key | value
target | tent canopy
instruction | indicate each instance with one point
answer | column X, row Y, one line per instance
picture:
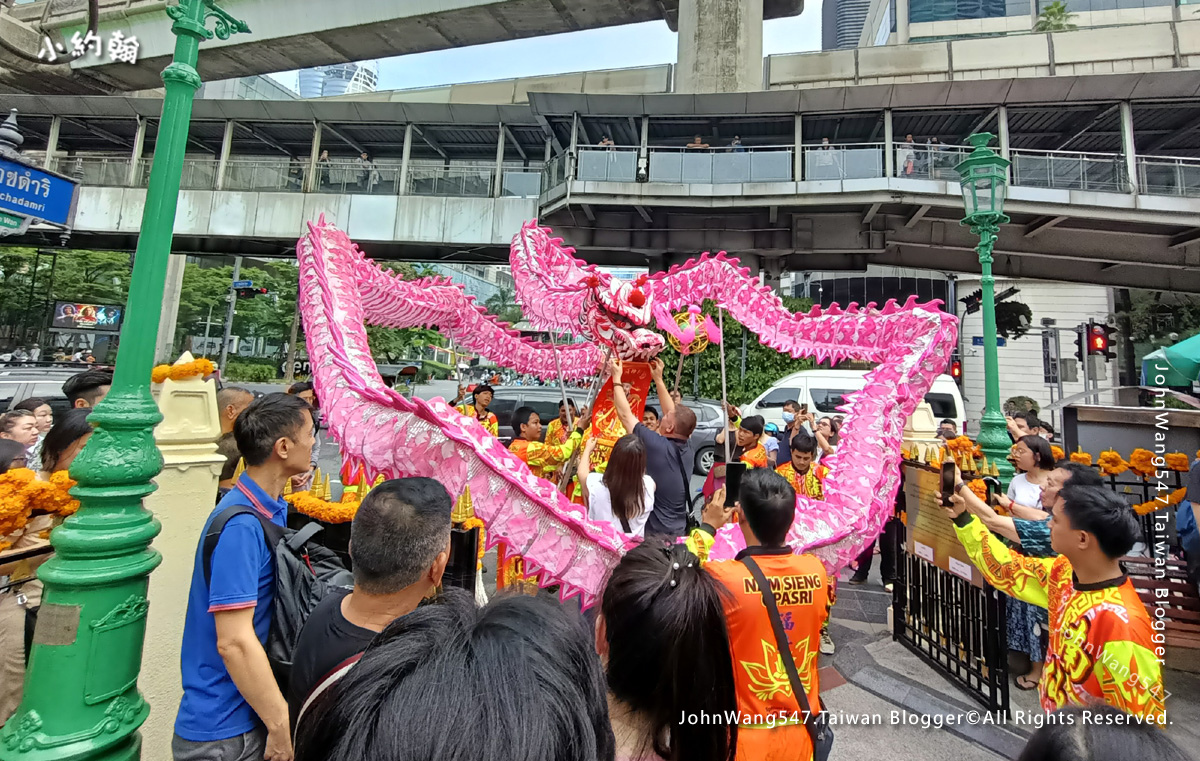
column 1178, row 364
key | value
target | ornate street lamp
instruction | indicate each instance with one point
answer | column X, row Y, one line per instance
column 984, row 177
column 81, row 699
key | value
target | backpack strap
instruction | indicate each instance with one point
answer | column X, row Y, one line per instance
column 302, row 536
column 325, row 683
column 271, row 533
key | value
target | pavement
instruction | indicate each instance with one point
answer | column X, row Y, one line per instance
column 882, row 695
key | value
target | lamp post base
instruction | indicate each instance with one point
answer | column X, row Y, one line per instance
column 995, row 443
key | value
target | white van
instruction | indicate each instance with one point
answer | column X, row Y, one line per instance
column 822, row 391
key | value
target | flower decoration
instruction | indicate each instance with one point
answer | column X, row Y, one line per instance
column 183, row 370
column 1141, row 461
column 1178, row 461
column 22, row 495
column 978, row 488
column 1056, row 452
column 1175, row 498
column 1083, row 458
column 1112, row 464
column 323, row 510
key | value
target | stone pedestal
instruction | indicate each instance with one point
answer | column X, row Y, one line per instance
column 187, row 489
column 921, row 429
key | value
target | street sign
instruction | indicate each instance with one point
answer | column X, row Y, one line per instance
column 11, row 224
column 27, row 191
column 1070, row 370
column 243, row 283
column 978, row 341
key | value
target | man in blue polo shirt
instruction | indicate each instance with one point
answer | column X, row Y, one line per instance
column 232, row 708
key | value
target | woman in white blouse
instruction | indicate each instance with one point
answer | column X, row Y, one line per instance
column 623, row 495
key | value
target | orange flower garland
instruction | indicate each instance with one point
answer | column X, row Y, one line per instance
column 1141, row 461
column 1112, row 464
column 21, row 495
column 321, row 510
column 1083, row 458
column 1178, row 461
column 195, row 368
column 1146, row 508
column 978, row 488
column 1056, row 452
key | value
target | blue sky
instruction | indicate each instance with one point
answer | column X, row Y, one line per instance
column 613, row 48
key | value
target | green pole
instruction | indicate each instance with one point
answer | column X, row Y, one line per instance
column 993, row 429
column 81, row 699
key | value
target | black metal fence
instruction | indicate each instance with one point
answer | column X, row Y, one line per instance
column 958, row 628
column 1135, row 491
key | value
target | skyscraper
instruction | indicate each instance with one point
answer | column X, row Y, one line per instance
column 339, row 79
column 842, row 23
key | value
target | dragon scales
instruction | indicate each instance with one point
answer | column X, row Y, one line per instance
column 342, row 291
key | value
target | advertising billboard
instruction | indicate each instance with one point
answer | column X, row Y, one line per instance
column 70, row 315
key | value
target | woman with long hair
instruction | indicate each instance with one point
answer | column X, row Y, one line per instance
column 623, row 495
column 515, row 680
column 65, row 441
column 661, row 634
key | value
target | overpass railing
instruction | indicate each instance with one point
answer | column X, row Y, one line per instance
column 853, row 161
column 725, row 165
column 1169, row 176
column 1061, row 170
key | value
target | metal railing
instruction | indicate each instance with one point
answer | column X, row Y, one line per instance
column 929, row 161
column 716, row 166
column 613, row 163
column 554, row 172
column 105, row 171
column 1061, row 170
column 520, row 183
column 1169, row 176
column 457, row 181
column 855, row 161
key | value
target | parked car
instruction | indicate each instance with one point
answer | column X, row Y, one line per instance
column 824, row 391
column 20, row 383
column 704, row 438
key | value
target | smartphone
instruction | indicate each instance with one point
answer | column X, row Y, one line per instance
column 733, row 482
column 947, row 483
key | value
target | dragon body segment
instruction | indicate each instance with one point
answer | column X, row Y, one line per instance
column 341, row 291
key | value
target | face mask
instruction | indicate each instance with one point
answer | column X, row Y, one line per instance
column 789, row 417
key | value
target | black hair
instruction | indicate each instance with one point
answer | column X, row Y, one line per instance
column 1103, row 514
column 300, row 387
column 1047, row 427
column 68, row 428
column 86, row 386
column 1081, row 475
column 521, row 417
column 29, row 405
column 791, row 403
column 400, row 528
column 754, row 424
column 652, row 410
column 803, row 441
column 1098, row 733
column 482, row 387
column 769, row 504
column 523, row 666
column 1043, row 455
column 560, row 404
column 227, row 447
column 10, row 450
column 267, row 420
column 668, row 650
column 948, row 421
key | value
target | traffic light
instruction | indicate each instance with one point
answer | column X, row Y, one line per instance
column 1110, row 351
column 249, row 293
column 1080, row 342
column 1097, row 337
column 956, row 371
column 973, row 301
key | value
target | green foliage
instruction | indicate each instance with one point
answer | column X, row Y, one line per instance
column 267, row 316
column 1055, row 18
column 764, row 365
column 504, row 306
column 1009, row 323
column 241, row 371
column 393, row 345
column 1021, row 404
column 28, row 287
column 1153, row 315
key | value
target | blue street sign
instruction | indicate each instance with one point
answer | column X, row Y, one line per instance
column 243, row 283
column 36, row 193
column 978, row 341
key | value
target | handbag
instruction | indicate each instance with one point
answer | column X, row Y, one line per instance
column 817, row 724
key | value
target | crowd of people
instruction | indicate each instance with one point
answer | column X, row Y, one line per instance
column 396, row 665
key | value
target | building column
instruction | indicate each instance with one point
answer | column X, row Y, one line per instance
column 798, row 159
column 226, row 149
column 901, row 22
column 135, row 156
column 720, row 46
column 402, row 184
column 1128, row 146
column 52, row 142
column 313, row 181
column 549, row 151
column 498, row 180
column 889, row 152
column 1005, row 152
column 172, row 290
column 573, row 151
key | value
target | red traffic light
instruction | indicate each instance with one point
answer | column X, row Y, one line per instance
column 956, row 370
column 1098, row 340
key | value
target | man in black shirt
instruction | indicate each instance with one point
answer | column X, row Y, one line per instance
column 399, row 546
column 668, row 455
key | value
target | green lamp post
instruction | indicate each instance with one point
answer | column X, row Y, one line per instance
column 984, row 177
column 81, row 699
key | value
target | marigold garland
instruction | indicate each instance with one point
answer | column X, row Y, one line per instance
column 1056, row 452
column 1083, row 458
column 1112, row 464
column 321, row 510
column 978, row 488
column 1178, row 461
column 1175, row 498
column 183, row 370
column 21, row 495
column 1141, row 461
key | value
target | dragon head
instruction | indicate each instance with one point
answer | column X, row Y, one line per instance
column 615, row 316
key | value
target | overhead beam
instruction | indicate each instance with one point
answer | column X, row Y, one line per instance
column 644, row 213
column 871, row 212
column 100, row 132
column 430, row 140
column 876, row 129
column 1041, row 224
column 1159, row 142
column 1185, row 238
column 587, row 211
column 587, row 136
column 345, row 138
column 917, row 216
column 1081, row 124
column 979, row 125
column 516, row 144
column 264, row 139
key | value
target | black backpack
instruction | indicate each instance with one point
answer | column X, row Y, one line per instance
column 305, row 572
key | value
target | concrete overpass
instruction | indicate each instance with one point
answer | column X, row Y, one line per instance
column 296, row 34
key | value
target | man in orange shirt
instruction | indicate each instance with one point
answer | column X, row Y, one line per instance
column 542, row 459
column 766, row 507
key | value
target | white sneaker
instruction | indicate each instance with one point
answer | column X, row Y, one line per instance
column 827, row 646
column 888, row 588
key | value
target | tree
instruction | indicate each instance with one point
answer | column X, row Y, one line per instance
column 1055, row 18
column 504, row 307
column 29, row 283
